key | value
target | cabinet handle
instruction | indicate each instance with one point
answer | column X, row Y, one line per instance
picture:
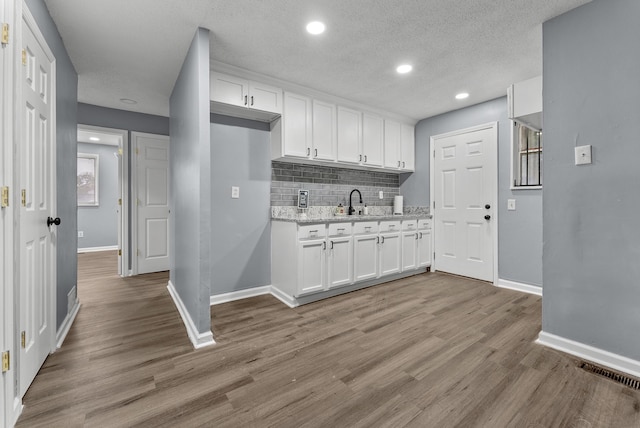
column 360, row 158
column 313, row 231
column 245, row 100
column 332, row 245
column 251, row 99
column 316, row 150
column 324, row 245
column 398, row 164
column 391, row 226
column 420, row 235
column 403, row 164
column 308, row 151
column 365, row 158
column 416, row 236
column 382, row 239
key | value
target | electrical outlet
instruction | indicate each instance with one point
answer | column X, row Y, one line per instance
column 511, row 204
column 381, row 195
column 235, row 192
column 80, row 234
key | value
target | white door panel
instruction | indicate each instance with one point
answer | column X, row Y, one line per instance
column 465, row 171
column 152, row 211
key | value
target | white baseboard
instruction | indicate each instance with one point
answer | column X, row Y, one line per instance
column 217, row 299
column 198, row 340
column 519, row 286
column 66, row 324
column 96, row 249
column 284, row 298
column 587, row 352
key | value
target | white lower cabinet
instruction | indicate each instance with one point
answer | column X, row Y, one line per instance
column 409, row 250
column 365, row 257
column 424, row 245
column 340, row 260
column 311, row 263
column 389, row 253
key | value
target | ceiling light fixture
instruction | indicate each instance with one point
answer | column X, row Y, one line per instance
column 128, row 101
column 462, row 96
column 315, row 27
column 94, row 138
column 404, row 68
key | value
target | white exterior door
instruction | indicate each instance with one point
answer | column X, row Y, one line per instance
column 465, row 193
column 151, row 156
column 37, row 280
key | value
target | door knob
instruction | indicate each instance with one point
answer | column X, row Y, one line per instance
column 51, row 221
column 487, row 206
column 487, row 217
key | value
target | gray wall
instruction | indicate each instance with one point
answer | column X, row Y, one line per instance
column 66, row 141
column 100, row 224
column 591, row 259
column 241, row 228
column 190, row 228
column 520, row 231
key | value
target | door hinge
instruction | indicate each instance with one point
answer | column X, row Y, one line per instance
column 24, row 57
column 6, row 361
column 137, row 151
column 119, row 252
column 120, row 201
column 23, row 339
column 5, row 34
column 5, row 197
column 23, row 197
column 434, row 205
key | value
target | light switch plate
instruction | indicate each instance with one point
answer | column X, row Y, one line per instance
column 511, row 204
column 80, row 234
column 381, row 195
column 583, row 155
column 235, row 192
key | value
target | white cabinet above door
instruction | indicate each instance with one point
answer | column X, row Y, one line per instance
column 229, row 89
column 235, row 96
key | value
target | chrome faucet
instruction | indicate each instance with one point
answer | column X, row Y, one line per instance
column 351, row 209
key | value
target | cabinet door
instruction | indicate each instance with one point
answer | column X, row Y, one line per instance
column 265, row 97
column 408, row 147
column 409, row 249
column 372, row 139
column 349, row 135
column 229, row 89
column 365, row 257
column 324, row 131
column 296, row 130
column 392, row 144
column 311, row 265
column 389, row 253
column 424, row 248
column 340, row 255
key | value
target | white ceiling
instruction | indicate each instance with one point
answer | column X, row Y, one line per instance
column 134, row 49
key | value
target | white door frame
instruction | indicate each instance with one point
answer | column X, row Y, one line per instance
column 493, row 126
column 123, row 186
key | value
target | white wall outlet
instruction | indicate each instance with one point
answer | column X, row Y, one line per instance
column 381, row 195
column 80, row 234
column 583, row 155
column 511, row 204
column 235, row 192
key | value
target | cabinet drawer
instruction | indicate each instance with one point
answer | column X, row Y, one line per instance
column 340, row 229
column 409, row 224
column 390, row 226
column 424, row 224
column 365, row 227
column 312, row 231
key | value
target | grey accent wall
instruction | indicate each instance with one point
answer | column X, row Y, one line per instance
column 520, row 231
column 240, row 228
column 66, row 139
column 330, row 186
column 190, row 182
column 100, row 224
column 591, row 235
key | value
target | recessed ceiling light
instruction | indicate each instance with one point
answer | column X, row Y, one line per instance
column 462, row 96
column 94, row 138
column 315, row 27
column 128, row 101
column 404, row 68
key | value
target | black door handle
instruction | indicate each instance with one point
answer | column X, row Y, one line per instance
column 51, row 221
column 487, row 206
column 487, row 217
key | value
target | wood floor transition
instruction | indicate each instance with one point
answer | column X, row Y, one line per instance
column 432, row 350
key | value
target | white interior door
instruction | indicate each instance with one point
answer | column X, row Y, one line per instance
column 37, row 242
column 152, row 202
column 464, row 189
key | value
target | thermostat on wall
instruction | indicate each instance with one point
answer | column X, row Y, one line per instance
column 303, row 199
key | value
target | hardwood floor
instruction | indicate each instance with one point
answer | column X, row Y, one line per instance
column 432, row 350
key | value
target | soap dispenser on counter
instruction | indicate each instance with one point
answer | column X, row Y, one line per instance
column 340, row 210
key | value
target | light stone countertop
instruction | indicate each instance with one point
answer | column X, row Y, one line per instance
column 350, row 218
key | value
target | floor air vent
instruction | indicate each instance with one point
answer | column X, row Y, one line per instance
column 625, row 380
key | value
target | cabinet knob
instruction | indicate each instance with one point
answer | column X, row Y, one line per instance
column 487, row 217
column 486, row 207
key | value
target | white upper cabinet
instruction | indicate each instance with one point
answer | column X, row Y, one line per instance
column 324, row 137
column 349, row 135
column 407, row 147
column 296, row 126
column 372, row 139
column 239, row 92
column 392, row 144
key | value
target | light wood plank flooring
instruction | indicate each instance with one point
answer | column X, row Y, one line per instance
column 432, row 350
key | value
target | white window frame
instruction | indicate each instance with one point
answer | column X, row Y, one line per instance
column 515, row 158
column 96, row 174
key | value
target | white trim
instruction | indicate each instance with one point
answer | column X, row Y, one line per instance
column 97, row 249
column 198, row 340
column 587, row 352
column 66, row 324
column 493, row 126
column 519, row 286
column 217, row 299
column 284, row 298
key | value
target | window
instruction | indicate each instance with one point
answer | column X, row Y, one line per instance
column 527, row 156
column 87, row 180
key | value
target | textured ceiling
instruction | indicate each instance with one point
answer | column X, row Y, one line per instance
column 135, row 48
